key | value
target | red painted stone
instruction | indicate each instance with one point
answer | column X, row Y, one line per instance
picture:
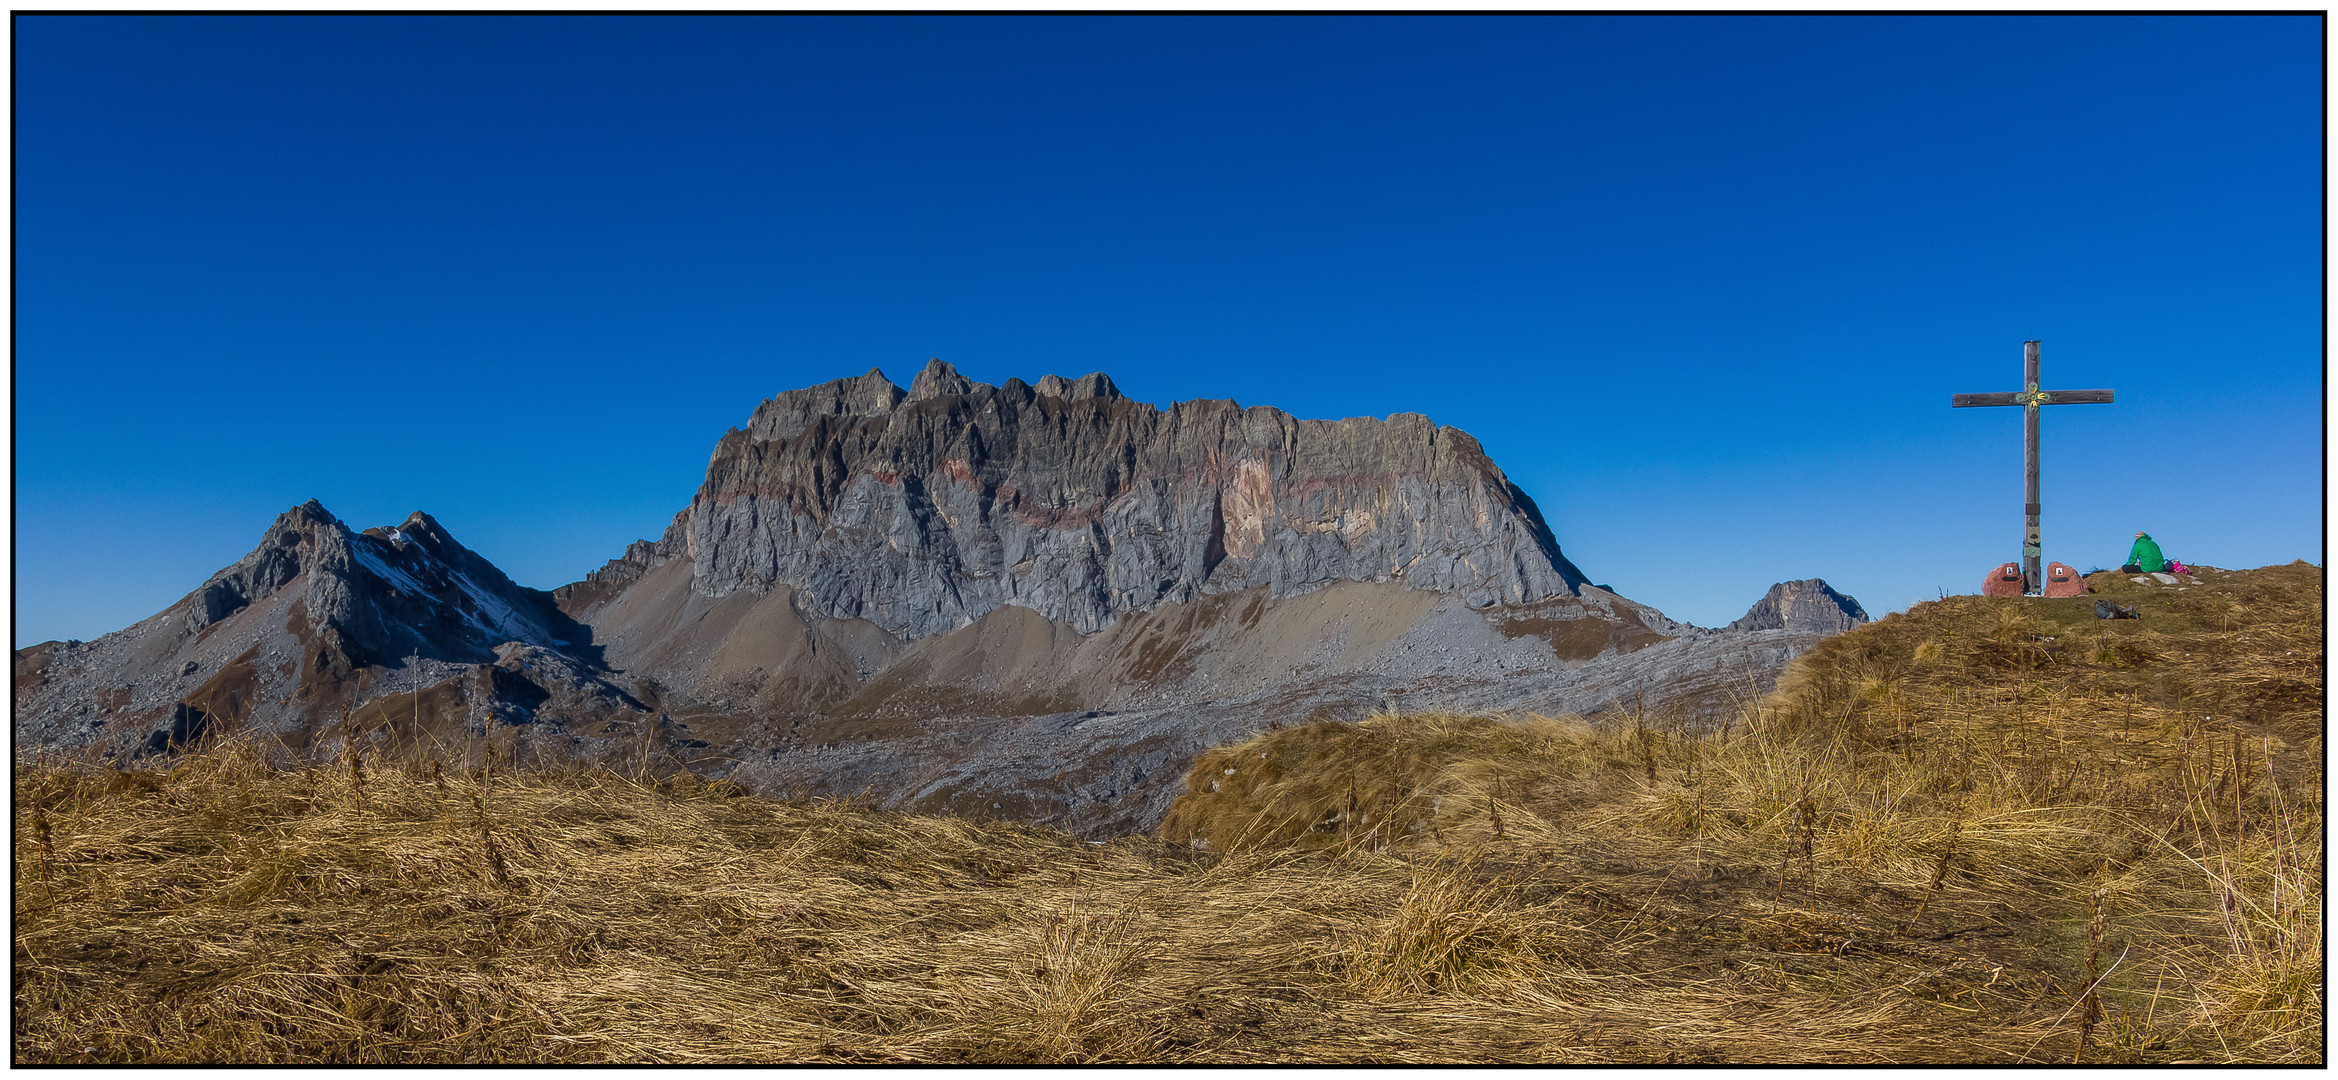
column 2061, row 580
column 2006, row 580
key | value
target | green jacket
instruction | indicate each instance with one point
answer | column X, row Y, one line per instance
column 2145, row 555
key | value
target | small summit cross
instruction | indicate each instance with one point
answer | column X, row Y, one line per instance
column 2030, row 397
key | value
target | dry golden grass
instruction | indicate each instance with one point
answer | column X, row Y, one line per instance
column 1941, row 834
column 1953, row 797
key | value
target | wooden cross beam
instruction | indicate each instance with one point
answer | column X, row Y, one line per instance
column 2030, row 397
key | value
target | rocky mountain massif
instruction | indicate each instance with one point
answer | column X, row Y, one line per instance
column 923, row 511
column 1039, row 600
column 320, row 624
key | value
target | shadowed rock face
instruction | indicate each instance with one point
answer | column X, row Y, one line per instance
column 388, row 592
column 1808, row 605
column 923, row 511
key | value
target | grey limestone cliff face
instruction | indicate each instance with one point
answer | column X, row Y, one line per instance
column 923, row 510
column 1808, row 605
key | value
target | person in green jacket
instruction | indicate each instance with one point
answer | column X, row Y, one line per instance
column 2144, row 557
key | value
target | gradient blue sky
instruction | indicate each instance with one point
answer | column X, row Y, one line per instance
column 1701, row 285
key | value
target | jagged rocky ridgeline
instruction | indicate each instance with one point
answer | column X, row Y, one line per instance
column 1039, row 600
column 921, row 511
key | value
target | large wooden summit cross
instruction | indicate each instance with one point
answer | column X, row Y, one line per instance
column 2030, row 397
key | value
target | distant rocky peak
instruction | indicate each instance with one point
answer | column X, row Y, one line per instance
column 418, row 528
column 939, row 379
column 384, row 593
column 421, row 536
column 1092, row 385
column 310, row 520
column 295, row 539
column 787, row 414
column 1807, row 605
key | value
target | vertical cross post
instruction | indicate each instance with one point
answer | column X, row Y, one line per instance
column 2029, row 397
column 2032, row 542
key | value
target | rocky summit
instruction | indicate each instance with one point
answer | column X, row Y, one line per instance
column 317, row 624
column 1808, row 605
column 923, row 510
column 1036, row 599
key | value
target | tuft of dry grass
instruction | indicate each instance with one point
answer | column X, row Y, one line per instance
column 1958, row 835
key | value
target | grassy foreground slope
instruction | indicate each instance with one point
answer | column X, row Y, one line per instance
column 1941, row 833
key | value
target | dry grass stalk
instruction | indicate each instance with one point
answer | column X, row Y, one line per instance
column 356, row 773
column 42, row 838
column 1802, row 829
column 2090, row 1010
column 488, row 848
column 1647, row 748
column 1939, row 875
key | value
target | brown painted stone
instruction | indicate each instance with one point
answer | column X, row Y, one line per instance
column 2061, row 580
column 2006, row 580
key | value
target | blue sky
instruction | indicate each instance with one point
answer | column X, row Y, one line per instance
column 1702, row 286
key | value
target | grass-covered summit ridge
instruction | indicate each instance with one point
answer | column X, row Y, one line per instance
column 2009, row 788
